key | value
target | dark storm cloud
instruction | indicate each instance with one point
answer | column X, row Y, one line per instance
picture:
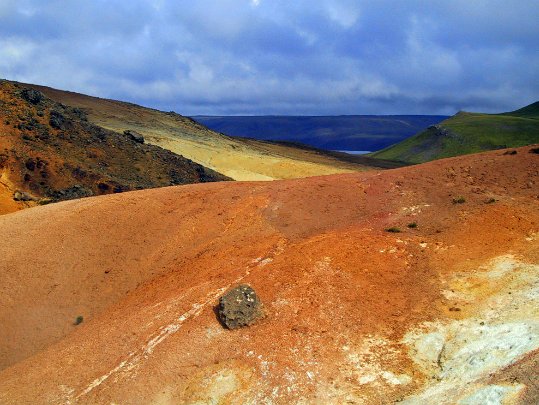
column 280, row 57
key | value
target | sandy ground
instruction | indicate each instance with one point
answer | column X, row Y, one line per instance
column 443, row 313
column 252, row 161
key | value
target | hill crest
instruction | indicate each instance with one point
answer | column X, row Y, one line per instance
column 530, row 111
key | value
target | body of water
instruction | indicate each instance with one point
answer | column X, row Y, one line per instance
column 354, row 152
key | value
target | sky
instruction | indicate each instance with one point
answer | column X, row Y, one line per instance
column 280, row 57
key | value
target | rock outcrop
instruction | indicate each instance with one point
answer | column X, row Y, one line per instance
column 57, row 120
column 22, row 196
column 32, row 96
column 134, row 135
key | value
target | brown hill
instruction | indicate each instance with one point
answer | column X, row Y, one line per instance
column 442, row 312
column 49, row 151
column 238, row 158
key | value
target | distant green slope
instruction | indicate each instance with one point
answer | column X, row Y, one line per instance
column 530, row 111
column 466, row 133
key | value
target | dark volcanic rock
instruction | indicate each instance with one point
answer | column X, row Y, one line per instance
column 22, row 196
column 439, row 130
column 32, row 96
column 240, row 307
column 135, row 136
column 77, row 191
column 80, row 114
column 57, row 120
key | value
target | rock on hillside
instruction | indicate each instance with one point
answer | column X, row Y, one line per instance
column 51, row 152
column 442, row 312
column 240, row 307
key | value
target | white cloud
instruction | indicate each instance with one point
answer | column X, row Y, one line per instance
column 425, row 60
column 344, row 13
column 279, row 57
column 15, row 52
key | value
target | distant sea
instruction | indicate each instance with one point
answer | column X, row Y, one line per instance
column 354, row 152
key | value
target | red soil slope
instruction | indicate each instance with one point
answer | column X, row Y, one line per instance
column 355, row 314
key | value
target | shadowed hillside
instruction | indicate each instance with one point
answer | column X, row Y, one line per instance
column 50, row 152
column 468, row 133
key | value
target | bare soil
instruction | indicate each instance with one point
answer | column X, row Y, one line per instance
column 355, row 314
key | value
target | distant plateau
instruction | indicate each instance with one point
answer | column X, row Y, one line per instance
column 336, row 133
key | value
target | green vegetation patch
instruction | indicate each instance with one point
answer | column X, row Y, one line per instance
column 466, row 133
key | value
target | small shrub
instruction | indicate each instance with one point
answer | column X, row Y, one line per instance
column 45, row 201
column 459, row 200
column 490, row 201
column 78, row 320
column 534, row 150
column 412, row 225
column 393, row 229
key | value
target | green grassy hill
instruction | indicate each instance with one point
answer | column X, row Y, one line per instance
column 530, row 111
column 466, row 133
